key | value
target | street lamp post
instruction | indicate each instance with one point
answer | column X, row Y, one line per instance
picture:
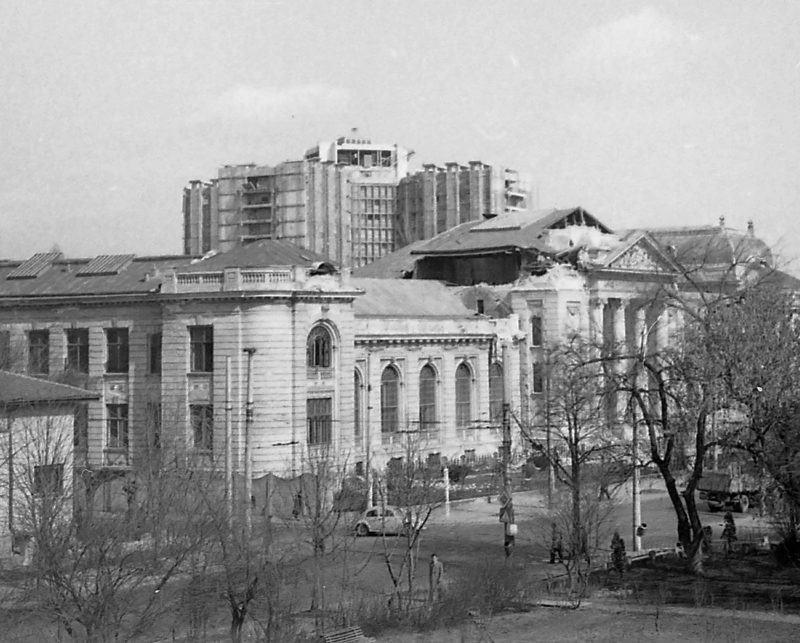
column 248, row 458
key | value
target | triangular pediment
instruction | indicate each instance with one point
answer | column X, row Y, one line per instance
column 640, row 255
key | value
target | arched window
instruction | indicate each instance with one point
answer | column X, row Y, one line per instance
column 318, row 349
column 496, row 392
column 390, row 400
column 463, row 396
column 357, row 403
column 427, row 398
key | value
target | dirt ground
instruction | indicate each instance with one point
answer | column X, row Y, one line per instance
column 610, row 623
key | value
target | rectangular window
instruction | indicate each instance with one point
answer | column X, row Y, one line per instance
column 48, row 479
column 538, row 378
column 318, row 414
column 536, row 330
column 117, row 350
column 201, row 346
column 77, row 350
column 117, row 426
column 39, row 352
column 5, row 350
column 154, row 353
column 202, row 418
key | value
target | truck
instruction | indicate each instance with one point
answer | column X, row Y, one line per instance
column 729, row 489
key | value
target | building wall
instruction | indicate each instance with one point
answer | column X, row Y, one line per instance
column 437, row 199
column 331, row 202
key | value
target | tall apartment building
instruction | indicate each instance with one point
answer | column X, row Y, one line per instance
column 440, row 198
column 349, row 199
column 339, row 201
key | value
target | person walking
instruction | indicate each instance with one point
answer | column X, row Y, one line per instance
column 728, row 532
column 618, row 556
column 556, row 545
column 435, row 579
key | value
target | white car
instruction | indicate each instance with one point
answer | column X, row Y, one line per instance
column 381, row 520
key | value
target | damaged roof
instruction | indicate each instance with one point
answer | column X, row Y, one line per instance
column 513, row 230
column 396, row 265
column 407, row 298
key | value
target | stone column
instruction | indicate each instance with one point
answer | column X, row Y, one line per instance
column 618, row 328
column 596, row 322
column 619, row 348
column 639, row 340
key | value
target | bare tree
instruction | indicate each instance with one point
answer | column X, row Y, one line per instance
column 101, row 579
column 573, row 420
column 412, row 486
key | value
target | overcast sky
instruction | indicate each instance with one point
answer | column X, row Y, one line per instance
column 669, row 113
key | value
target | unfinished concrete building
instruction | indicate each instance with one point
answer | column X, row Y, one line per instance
column 339, row 200
column 439, row 198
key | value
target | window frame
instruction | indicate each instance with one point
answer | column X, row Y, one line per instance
column 118, row 350
column 39, row 352
column 77, row 358
column 154, row 350
column 201, row 349
column 537, row 377
column 117, row 427
column 463, row 406
column 319, row 421
column 358, row 402
column 201, row 421
column 428, row 417
column 319, row 348
column 390, row 412
column 537, row 330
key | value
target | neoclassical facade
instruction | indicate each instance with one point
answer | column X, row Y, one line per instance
column 176, row 347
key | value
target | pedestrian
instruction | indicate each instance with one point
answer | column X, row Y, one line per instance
column 435, row 579
column 618, row 556
column 728, row 532
column 556, row 545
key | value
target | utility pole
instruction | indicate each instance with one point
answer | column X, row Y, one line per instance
column 228, row 445
column 248, row 456
column 551, row 472
column 507, row 508
column 635, row 486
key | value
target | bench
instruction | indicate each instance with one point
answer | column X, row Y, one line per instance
column 347, row 635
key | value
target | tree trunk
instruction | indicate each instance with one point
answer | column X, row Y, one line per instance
column 237, row 622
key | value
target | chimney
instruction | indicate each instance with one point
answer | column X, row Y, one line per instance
column 750, row 228
column 722, row 222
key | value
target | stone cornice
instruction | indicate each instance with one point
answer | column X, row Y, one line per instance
column 145, row 298
column 416, row 340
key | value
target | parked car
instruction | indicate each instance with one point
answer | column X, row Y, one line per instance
column 381, row 520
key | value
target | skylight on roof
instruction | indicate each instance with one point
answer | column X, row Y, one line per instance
column 105, row 265
column 33, row 267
